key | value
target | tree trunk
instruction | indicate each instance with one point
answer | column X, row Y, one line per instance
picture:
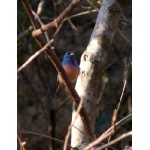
column 92, row 64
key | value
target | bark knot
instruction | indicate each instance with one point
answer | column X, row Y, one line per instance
column 85, row 57
column 114, row 8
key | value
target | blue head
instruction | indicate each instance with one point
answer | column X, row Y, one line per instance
column 71, row 67
column 69, row 58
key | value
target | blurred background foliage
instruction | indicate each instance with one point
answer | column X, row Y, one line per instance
column 37, row 82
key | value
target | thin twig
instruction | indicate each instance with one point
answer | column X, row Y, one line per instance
column 98, row 140
column 34, row 56
column 114, row 119
column 120, row 122
column 124, row 135
column 38, row 18
column 124, row 19
column 79, row 14
column 40, row 7
column 92, row 4
column 41, row 23
column 129, row 104
column 77, row 129
column 82, row 13
column 113, row 124
column 71, row 24
column 28, row 9
column 45, row 136
column 58, row 29
column 104, row 81
column 22, row 143
column 108, row 142
column 125, row 82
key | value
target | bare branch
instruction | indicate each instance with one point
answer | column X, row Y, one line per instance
column 72, row 25
column 77, row 129
column 58, row 29
column 114, row 119
column 116, row 140
column 41, row 23
column 52, row 56
column 92, row 4
column 22, row 143
column 34, row 56
column 122, row 121
column 104, row 81
column 83, row 13
column 73, row 16
column 58, row 20
column 28, row 9
column 109, row 132
column 98, row 140
column 125, row 82
column 45, row 136
column 124, row 19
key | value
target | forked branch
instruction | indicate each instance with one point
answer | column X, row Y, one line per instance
column 58, row 20
column 52, row 56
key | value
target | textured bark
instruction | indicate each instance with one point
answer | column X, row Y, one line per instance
column 92, row 64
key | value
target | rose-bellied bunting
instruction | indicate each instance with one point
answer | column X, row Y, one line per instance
column 71, row 67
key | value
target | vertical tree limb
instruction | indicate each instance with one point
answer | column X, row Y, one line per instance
column 93, row 61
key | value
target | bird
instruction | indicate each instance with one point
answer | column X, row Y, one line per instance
column 71, row 67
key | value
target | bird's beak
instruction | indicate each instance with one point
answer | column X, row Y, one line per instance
column 72, row 53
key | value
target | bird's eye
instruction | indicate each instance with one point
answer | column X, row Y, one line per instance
column 68, row 53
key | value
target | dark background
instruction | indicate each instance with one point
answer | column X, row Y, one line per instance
column 37, row 82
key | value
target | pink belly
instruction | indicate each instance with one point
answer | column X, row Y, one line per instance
column 72, row 72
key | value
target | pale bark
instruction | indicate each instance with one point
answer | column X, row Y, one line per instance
column 92, row 64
